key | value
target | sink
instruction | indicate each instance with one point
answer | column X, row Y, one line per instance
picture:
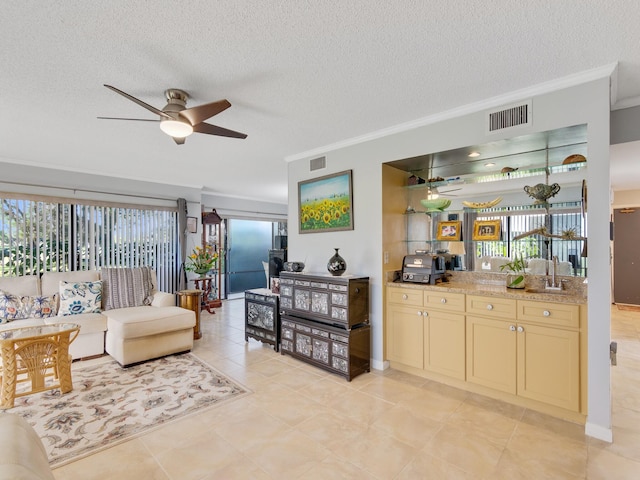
column 545, row 291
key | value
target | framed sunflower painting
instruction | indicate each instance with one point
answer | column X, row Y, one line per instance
column 325, row 204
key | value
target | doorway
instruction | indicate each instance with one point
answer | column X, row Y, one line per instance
column 626, row 256
column 248, row 245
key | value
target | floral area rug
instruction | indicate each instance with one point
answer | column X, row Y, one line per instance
column 110, row 404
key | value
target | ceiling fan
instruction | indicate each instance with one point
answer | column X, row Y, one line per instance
column 178, row 121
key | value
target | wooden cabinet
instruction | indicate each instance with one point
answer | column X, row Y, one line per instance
column 491, row 353
column 340, row 301
column 533, row 350
column 535, row 355
column 405, row 335
column 261, row 316
column 325, row 321
column 423, row 330
column 444, row 343
column 341, row 351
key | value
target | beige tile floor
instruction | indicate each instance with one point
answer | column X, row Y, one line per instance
column 301, row 422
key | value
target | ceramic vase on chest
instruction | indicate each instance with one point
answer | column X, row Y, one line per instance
column 336, row 264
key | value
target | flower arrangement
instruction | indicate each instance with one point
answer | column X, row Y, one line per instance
column 201, row 260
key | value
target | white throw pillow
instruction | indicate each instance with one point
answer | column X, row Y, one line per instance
column 80, row 297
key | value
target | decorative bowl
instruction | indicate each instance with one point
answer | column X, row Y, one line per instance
column 542, row 192
column 435, row 204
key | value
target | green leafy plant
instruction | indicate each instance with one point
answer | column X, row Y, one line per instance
column 517, row 268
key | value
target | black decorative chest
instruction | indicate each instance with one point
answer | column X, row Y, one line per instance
column 261, row 316
column 325, row 321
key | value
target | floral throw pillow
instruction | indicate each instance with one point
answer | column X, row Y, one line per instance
column 13, row 307
column 44, row 306
column 80, row 297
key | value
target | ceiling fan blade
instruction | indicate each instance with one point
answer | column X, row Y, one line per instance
column 215, row 130
column 131, row 119
column 200, row 113
column 139, row 102
column 179, row 140
column 447, row 193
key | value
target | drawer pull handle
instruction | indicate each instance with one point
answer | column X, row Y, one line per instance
column 546, row 313
column 405, row 296
column 512, row 328
column 489, row 306
column 520, row 329
column 357, row 290
column 443, row 300
column 419, row 313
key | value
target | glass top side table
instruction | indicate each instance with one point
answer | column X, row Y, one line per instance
column 31, row 354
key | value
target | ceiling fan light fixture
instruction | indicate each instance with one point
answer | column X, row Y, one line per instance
column 176, row 128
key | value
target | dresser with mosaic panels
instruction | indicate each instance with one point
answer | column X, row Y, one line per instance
column 325, row 321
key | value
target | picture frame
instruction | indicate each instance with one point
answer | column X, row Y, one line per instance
column 487, row 230
column 192, row 224
column 449, row 230
column 325, row 204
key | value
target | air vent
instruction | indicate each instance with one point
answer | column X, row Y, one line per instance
column 512, row 116
column 317, row 163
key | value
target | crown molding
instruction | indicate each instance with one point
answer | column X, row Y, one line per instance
column 606, row 71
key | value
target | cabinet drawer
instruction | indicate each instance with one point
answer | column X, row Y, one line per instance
column 494, row 307
column 554, row 314
column 405, row 296
column 453, row 302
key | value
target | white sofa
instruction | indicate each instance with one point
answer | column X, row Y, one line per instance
column 22, row 454
column 93, row 326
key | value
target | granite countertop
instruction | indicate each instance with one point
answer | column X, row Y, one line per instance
column 492, row 290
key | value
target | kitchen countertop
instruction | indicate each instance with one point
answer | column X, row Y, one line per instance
column 491, row 290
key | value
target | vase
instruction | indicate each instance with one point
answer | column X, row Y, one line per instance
column 336, row 264
column 515, row 280
column 202, row 272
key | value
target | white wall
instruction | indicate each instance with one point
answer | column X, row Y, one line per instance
column 626, row 198
column 587, row 103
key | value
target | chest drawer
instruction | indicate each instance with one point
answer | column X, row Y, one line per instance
column 405, row 296
column 453, row 302
column 555, row 314
column 493, row 307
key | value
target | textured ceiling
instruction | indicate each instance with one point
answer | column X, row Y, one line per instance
column 299, row 74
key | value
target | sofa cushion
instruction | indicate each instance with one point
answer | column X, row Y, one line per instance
column 14, row 307
column 89, row 322
column 144, row 321
column 22, row 454
column 127, row 287
column 80, row 297
column 25, row 285
column 51, row 280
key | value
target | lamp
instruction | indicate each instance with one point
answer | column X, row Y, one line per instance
column 176, row 128
column 432, row 194
column 456, row 248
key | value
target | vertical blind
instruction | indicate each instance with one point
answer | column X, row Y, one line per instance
column 518, row 221
column 39, row 236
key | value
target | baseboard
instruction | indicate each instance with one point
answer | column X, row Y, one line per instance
column 599, row 432
column 378, row 365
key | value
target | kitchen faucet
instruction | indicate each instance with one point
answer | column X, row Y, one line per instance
column 551, row 283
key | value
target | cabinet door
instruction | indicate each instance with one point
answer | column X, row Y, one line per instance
column 549, row 365
column 491, row 353
column 444, row 343
column 405, row 335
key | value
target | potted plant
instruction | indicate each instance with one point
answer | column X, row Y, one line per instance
column 201, row 260
column 515, row 272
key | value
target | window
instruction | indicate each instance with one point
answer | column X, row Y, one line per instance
column 39, row 236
